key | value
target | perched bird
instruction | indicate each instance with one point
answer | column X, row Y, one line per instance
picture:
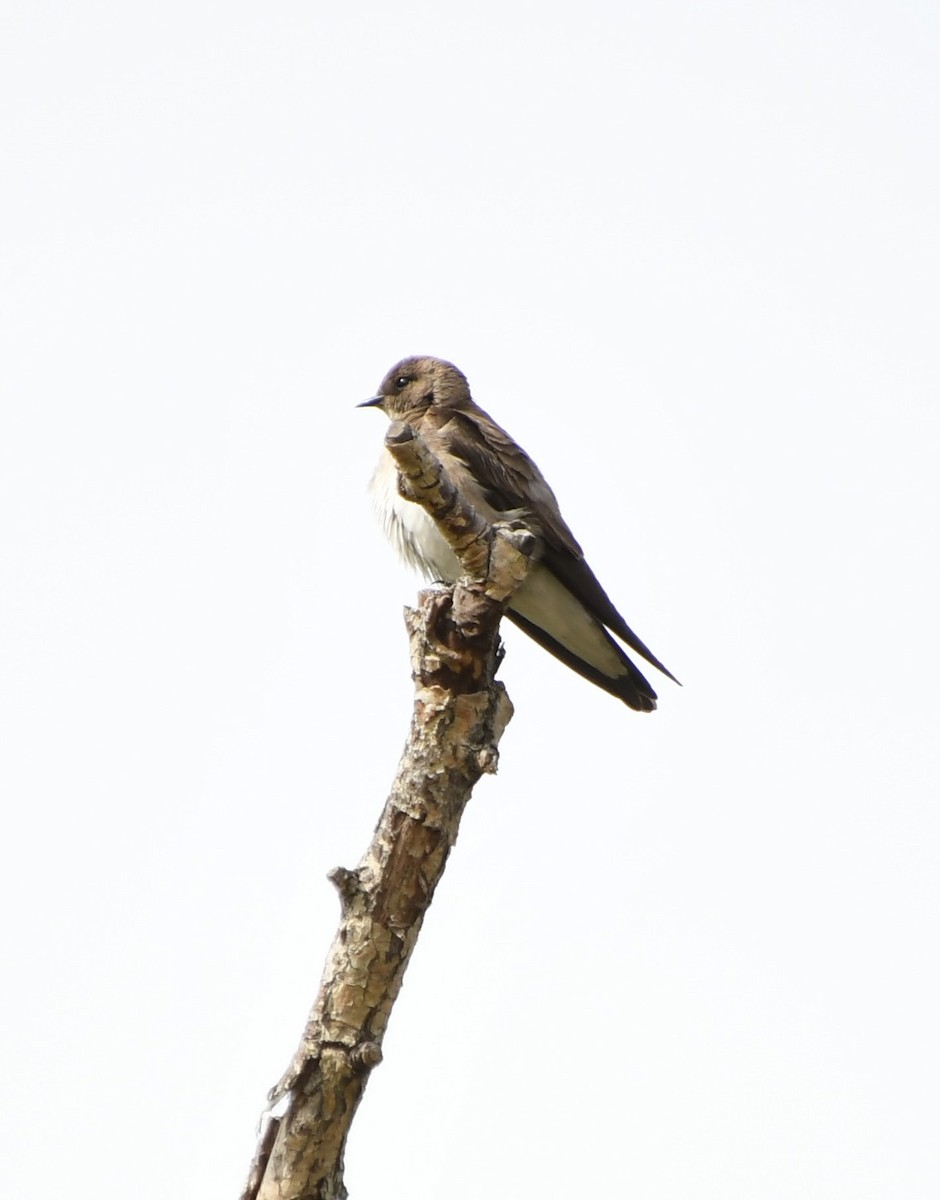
column 560, row 603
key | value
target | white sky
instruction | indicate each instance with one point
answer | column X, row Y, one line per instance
column 688, row 254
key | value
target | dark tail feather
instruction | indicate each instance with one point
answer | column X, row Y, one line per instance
column 630, row 687
column 579, row 579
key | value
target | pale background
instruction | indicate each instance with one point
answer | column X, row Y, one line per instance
column 688, row 255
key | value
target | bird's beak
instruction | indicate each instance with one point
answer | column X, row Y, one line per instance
column 375, row 402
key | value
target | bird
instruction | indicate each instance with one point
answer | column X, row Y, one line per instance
column 560, row 604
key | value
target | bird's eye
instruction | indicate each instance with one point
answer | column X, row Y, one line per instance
column 402, row 382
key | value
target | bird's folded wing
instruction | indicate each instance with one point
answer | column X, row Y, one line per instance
column 512, row 482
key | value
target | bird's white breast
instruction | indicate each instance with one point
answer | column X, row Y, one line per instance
column 409, row 528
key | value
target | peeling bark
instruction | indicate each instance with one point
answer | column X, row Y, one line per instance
column 459, row 714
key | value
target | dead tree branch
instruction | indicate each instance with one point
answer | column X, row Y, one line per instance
column 459, row 714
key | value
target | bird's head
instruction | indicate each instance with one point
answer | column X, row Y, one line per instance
column 417, row 384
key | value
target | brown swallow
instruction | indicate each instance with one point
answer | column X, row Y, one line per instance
column 561, row 604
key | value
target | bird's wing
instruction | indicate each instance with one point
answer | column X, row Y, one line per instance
column 513, row 483
column 511, row 480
